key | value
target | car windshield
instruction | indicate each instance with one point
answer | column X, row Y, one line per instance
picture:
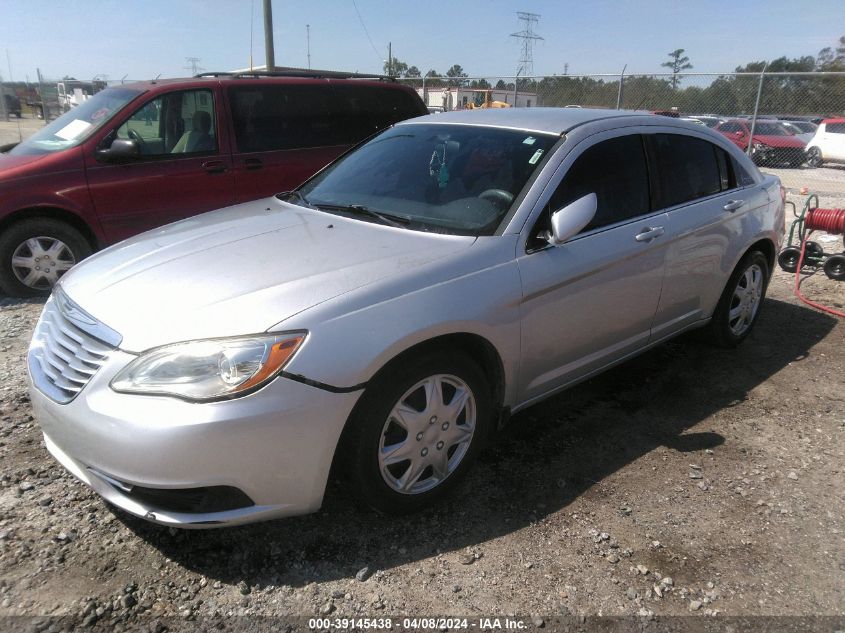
column 804, row 126
column 77, row 124
column 458, row 179
column 767, row 128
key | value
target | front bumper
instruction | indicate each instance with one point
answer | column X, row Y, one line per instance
column 275, row 445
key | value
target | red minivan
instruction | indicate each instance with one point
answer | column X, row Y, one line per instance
column 137, row 156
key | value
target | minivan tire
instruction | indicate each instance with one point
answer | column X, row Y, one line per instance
column 745, row 291
column 370, row 422
column 16, row 235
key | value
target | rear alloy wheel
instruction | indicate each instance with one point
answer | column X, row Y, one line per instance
column 814, row 157
column 739, row 306
column 417, row 431
column 35, row 253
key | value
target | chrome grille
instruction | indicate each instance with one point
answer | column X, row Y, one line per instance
column 64, row 355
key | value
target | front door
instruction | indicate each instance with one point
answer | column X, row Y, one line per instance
column 591, row 301
column 184, row 168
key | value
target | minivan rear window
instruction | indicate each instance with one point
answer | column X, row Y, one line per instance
column 298, row 116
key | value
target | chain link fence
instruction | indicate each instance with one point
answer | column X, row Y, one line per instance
column 768, row 115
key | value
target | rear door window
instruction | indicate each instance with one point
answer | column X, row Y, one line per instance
column 836, row 128
column 686, row 169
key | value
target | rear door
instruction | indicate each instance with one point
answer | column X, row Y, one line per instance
column 183, row 168
column 707, row 197
column 591, row 301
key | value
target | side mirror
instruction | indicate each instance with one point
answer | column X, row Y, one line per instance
column 572, row 218
column 121, row 149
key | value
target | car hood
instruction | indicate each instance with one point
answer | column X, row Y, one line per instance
column 241, row 270
column 14, row 166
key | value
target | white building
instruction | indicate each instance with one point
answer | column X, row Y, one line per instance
column 458, row 98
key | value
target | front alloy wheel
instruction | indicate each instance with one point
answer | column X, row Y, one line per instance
column 416, row 431
column 427, row 434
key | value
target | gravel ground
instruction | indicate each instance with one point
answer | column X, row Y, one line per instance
column 688, row 482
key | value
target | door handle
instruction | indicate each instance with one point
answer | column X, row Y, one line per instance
column 214, row 166
column 649, row 233
column 733, row 205
column 253, row 163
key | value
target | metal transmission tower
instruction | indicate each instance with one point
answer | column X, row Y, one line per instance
column 193, row 65
column 527, row 35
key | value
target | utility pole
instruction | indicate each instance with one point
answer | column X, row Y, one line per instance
column 308, row 41
column 268, row 36
column 390, row 59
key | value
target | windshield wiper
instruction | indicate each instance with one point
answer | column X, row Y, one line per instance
column 385, row 218
column 286, row 196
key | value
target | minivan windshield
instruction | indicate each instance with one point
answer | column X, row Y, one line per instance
column 445, row 178
column 77, row 124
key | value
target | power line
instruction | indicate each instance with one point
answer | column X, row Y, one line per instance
column 527, row 35
column 367, row 33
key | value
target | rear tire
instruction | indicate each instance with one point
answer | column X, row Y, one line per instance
column 739, row 306
column 392, row 463
column 35, row 253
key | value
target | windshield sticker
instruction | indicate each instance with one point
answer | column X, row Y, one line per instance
column 99, row 114
column 529, row 141
column 536, row 157
column 73, row 129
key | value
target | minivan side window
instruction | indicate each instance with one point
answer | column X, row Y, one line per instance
column 835, row 128
column 615, row 170
column 173, row 124
column 685, row 169
column 365, row 110
column 280, row 117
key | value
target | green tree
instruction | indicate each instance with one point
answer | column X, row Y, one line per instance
column 456, row 75
column 397, row 68
column 678, row 62
column 413, row 71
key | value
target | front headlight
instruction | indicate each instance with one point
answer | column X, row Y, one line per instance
column 759, row 147
column 209, row 370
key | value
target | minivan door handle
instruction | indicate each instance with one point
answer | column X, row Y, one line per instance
column 253, row 163
column 733, row 205
column 214, row 166
column 649, row 233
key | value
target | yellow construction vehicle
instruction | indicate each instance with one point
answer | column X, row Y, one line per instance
column 483, row 98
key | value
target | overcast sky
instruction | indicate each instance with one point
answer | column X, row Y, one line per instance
column 143, row 38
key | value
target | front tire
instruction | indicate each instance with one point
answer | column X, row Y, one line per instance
column 739, row 306
column 35, row 253
column 417, row 431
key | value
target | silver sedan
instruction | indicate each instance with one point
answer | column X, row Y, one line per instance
column 387, row 316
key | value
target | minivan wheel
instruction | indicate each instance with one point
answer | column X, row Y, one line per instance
column 739, row 306
column 35, row 253
column 814, row 157
column 417, row 431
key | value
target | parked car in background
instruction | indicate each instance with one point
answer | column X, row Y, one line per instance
column 773, row 143
column 384, row 317
column 140, row 155
column 828, row 143
column 692, row 119
column 805, row 130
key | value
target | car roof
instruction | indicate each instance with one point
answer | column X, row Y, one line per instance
column 212, row 79
column 833, row 120
column 549, row 120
